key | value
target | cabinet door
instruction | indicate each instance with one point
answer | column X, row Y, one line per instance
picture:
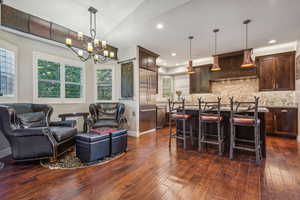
column 285, row 121
column 269, row 122
column 285, row 71
column 266, row 73
column 199, row 81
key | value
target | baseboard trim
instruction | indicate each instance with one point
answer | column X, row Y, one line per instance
column 149, row 131
column 132, row 134
column 5, row 152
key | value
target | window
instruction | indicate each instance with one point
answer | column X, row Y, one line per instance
column 166, row 87
column 104, row 84
column 7, row 73
column 59, row 80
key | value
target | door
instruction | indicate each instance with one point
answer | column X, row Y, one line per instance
column 266, row 73
column 284, row 72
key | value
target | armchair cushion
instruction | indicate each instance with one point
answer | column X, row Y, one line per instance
column 32, row 119
column 63, row 133
column 28, row 132
column 106, row 123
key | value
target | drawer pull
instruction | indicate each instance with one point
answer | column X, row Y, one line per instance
column 284, row 110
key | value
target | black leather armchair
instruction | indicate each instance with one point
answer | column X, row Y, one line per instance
column 30, row 133
column 107, row 115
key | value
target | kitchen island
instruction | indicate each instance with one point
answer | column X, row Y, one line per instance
column 242, row 132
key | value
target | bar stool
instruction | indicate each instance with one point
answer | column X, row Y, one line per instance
column 210, row 113
column 240, row 116
column 177, row 113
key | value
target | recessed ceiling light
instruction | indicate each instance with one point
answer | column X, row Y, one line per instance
column 159, row 26
column 173, row 54
column 177, row 64
column 272, row 41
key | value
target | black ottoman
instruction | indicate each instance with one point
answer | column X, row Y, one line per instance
column 118, row 141
column 91, row 147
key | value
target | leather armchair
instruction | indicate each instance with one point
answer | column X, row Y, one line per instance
column 33, row 142
column 107, row 115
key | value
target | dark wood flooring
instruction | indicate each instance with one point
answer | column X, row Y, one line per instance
column 150, row 171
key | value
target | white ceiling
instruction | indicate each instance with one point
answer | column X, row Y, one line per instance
column 132, row 22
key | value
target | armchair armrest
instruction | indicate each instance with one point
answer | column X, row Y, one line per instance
column 28, row 132
column 67, row 123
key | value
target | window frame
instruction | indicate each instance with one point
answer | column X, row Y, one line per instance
column 105, row 66
column 11, row 98
column 63, row 63
column 162, row 86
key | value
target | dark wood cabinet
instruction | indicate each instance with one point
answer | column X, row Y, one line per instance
column 199, row 81
column 277, row 72
column 282, row 121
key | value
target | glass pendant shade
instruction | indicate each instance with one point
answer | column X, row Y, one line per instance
column 190, row 69
column 248, row 62
column 216, row 66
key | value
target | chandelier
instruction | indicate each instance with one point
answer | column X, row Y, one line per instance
column 190, row 69
column 96, row 50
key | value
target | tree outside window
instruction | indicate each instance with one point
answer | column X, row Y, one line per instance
column 104, row 84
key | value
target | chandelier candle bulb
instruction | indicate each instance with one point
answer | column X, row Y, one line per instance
column 80, row 53
column 112, row 54
column 80, row 35
column 96, row 57
column 68, row 42
column 90, row 47
column 105, row 53
column 104, row 43
column 96, row 42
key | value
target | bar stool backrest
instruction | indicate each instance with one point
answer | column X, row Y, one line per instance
column 177, row 107
column 244, row 109
column 212, row 108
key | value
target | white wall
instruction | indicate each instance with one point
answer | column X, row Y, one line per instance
column 25, row 45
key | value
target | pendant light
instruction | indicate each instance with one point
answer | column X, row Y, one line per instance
column 248, row 62
column 216, row 66
column 190, row 69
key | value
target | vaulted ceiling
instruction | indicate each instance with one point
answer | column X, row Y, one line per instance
column 133, row 22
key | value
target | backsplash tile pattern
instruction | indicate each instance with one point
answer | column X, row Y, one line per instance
column 244, row 90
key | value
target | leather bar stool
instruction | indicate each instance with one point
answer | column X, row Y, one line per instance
column 177, row 113
column 210, row 113
column 245, row 114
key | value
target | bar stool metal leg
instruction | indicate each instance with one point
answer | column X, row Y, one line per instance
column 232, row 139
column 191, row 131
column 257, row 146
column 184, row 133
column 200, row 137
column 170, row 132
column 219, row 139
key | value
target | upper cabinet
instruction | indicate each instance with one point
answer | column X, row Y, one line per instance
column 276, row 72
column 199, row 81
column 147, row 59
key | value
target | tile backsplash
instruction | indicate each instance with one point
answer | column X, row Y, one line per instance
column 244, row 90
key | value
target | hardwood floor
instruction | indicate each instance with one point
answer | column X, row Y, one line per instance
column 150, row 171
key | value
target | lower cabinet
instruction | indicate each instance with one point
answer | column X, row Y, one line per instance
column 282, row 121
column 147, row 118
